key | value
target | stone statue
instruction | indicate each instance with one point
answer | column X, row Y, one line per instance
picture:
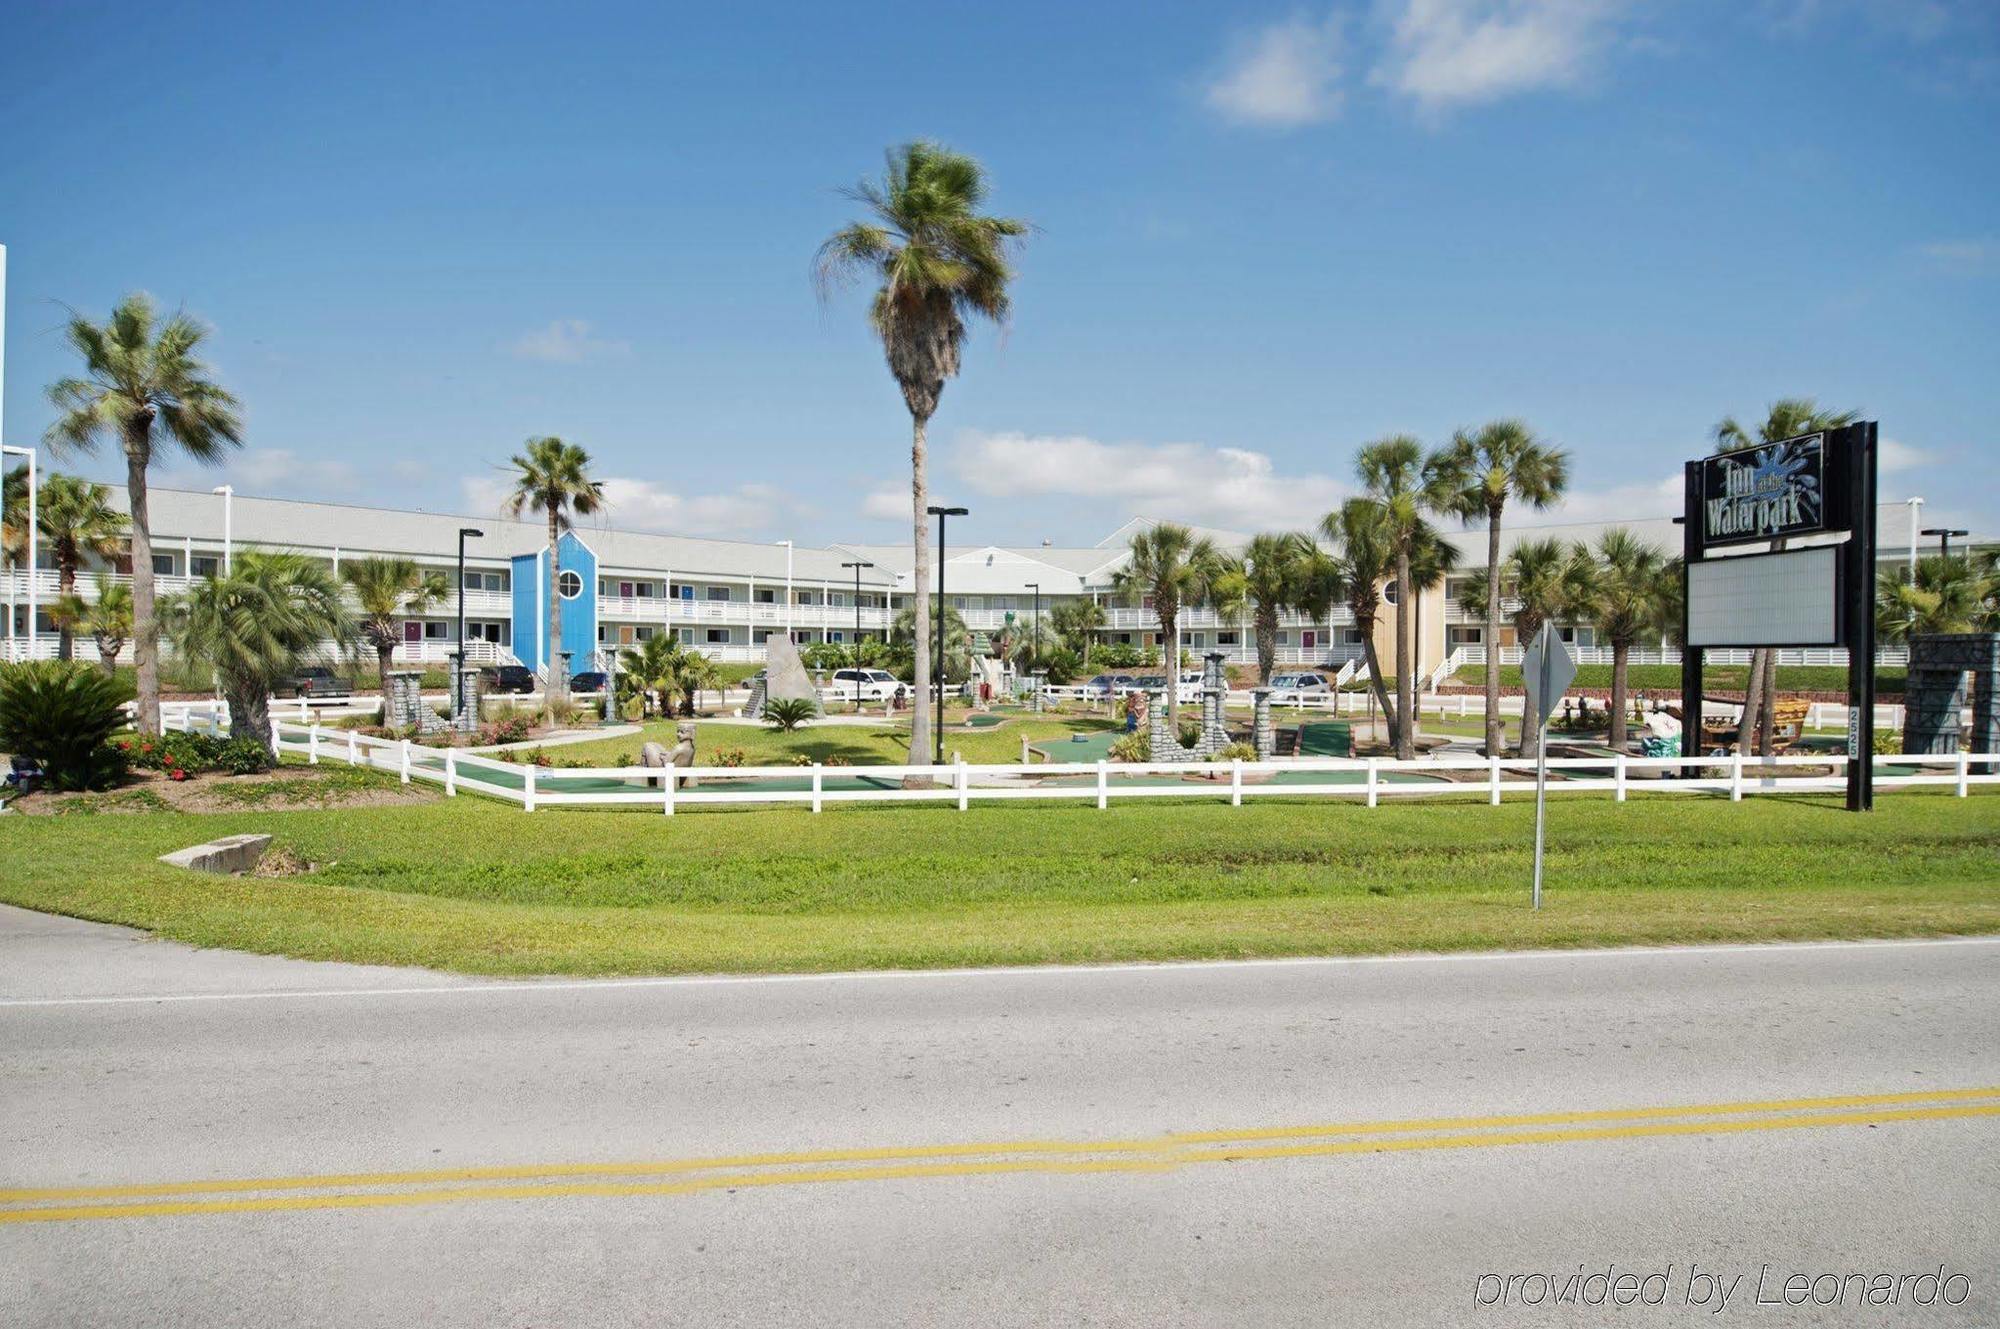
column 653, row 756
column 684, row 751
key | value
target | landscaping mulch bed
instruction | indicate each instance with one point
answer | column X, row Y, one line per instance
column 286, row 788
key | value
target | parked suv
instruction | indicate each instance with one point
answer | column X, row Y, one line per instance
column 508, row 678
column 868, row 684
column 315, row 681
column 1305, row 685
column 591, row 680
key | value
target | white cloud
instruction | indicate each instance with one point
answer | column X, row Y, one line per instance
column 887, row 503
column 277, row 471
column 1187, row 481
column 1629, row 502
column 1896, row 455
column 1447, row 53
column 566, row 341
column 1282, row 76
column 1966, row 257
column 748, row 511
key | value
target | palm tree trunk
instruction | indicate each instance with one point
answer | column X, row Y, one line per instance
column 1375, row 681
column 1620, row 654
column 249, row 712
column 557, row 692
column 1767, row 724
column 1267, row 642
column 145, row 631
column 1170, row 635
column 385, row 650
column 1496, row 738
column 65, row 587
column 920, row 600
column 107, row 656
column 1406, row 746
column 1753, row 703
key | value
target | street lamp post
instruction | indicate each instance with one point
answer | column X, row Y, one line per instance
column 938, row 726
column 458, row 680
column 1036, row 629
column 857, row 565
column 228, row 493
column 1944, row 535
column 788, row 588
column 1916, row 517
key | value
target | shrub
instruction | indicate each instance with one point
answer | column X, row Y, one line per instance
column 727, row 757
column 1114, row 655
column 827, row 655
column 242, row 756
column 1888, row 741
column 60, row 715
column 507, row 729
column 1238, row 751
column 179, row 756
column 787, row 713
column 1190, row 734
column 1132, row 747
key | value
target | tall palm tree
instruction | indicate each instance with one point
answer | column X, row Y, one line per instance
column 1477, row 475
column 143, row 384
column 1625, row 605
column 940, row 262
column 1552, row 580
column 553, row 478
column 908, row 627
column 1788, row 417
column 1274, row 568
column 253, row 625
column 75, row 519
column 1405, row 484
column 386, row 589
column 1174, row 568
column 1362, row 562
column 653, row 667
column 1946, row 595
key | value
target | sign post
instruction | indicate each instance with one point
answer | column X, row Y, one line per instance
column 1547, row 670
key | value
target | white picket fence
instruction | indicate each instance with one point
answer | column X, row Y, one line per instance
column 963, row 783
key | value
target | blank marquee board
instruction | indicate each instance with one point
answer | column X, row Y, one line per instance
column 1765, row 599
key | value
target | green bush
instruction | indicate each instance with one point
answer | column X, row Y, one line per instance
column 181, row 755
column 787, row 713
column 1132, row 747
column 1238, row 751
column 1115, row 655
column 61, row 715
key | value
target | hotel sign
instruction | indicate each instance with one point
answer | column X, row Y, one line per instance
column 1765, row 493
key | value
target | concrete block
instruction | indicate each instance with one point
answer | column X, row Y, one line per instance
column 232, row 853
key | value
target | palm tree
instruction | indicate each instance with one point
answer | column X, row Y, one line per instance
column 108, row 619
column 1274, row 570
column 1404, row 483
column 1552, row 580
column 253, row 625
column 653, row 666
column 940, row 262
column 1361, row 562
column 1174, row 568
column 1946, row 595
column 144, row 384
column 1788, row 417
column 1625, row 605
column 905, row 628
column 696, row 674
column 1074, row 622
column 553, row 477
column 386, row 589
column 75, row 519
column 1477, row 474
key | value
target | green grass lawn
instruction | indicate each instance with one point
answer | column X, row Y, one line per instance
column 884, row 743
column 1667, row 678
column 476, row 886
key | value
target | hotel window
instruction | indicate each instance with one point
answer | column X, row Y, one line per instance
column 437, row 631
column 765, row 596
column 643, row 634
column 482, row 630
column 1227, row 638
column 680, row 592
column 687, row 636
column 718, row 592
column 718, row 636
column 163, row 565
column 205, row 565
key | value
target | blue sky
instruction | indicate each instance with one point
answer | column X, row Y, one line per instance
column 1267, row 234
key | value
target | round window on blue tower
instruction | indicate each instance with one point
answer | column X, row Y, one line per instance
column 568, row 584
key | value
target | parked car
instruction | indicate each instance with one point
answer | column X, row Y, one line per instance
column 867, row 684
column 315, row 681
column 1302, row 685
column 508, row 678
column 591, row 680
column 1107, row 685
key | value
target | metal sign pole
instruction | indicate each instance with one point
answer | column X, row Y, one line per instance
column 1541, row 805
column 1547, row 670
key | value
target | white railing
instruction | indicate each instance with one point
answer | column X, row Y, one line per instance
column 705, row 786
column 1444, row 670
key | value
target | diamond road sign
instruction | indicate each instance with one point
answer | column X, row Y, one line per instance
column 1547, row 670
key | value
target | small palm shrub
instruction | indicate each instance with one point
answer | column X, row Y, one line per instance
column 1238, row 752
column 61, row 714
column 787, row 713
column 1132, row 747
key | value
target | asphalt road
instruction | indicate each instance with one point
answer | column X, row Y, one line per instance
column 200, row 1138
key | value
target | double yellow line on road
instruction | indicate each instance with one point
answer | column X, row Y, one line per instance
column 372, row 1190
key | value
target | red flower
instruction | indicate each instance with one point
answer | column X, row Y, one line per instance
column 177, row 774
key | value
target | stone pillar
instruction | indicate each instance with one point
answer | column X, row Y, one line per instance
column 465, row 699
column 1936, row 691
column 1262, row 737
